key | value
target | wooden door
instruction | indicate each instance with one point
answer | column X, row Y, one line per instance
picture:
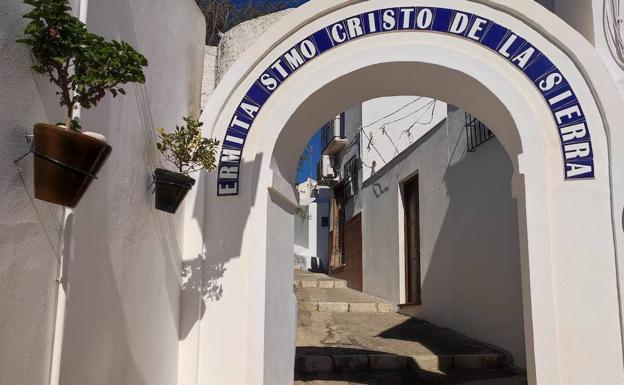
column 412, row 241
column 351, row 268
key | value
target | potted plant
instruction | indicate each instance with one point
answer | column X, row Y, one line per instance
column 85, row 68
column 188, row 151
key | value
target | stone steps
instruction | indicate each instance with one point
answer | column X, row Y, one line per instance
column 401, row 378
column 306, row 279
column 375, row 361
column 340, row 300
column 343, row 307
column 325, row 283
column 343, row 333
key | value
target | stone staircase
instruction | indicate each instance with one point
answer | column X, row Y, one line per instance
column 348, row 337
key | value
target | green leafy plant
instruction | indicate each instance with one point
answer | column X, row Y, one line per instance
column 83, row 65
column 187, row 149
column 302, row 213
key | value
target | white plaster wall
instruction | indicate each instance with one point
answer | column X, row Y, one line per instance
column 311, row 238
column 209, row 81
column 302, row 232
column 387, row 136
column 587, row 17
column 353, row 128
column 280, row 304
column 320, row 238
column 29, row 229
column 235, row 41
column 578, row 14
column 123, row 256
column 470, row 256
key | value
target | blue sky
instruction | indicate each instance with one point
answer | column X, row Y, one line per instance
column 309, row 166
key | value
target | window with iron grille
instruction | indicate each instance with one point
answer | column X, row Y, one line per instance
column 476, row 133
column 350, row 179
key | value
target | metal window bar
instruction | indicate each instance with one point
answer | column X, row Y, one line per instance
column 325, row 134
column 341, row 235
column 351, row 178
column 476, row 133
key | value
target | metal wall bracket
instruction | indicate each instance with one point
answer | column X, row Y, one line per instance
column 52, row 160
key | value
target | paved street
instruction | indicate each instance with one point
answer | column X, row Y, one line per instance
column 347, row 337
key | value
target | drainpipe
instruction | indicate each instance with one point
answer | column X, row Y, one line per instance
column 83, row 7
column 61, row 288
column 61, row 302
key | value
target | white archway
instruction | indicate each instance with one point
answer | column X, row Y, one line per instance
column 571, row 228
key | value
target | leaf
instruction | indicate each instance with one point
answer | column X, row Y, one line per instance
column 75, row 59
column 74, row 125
column 187, row 148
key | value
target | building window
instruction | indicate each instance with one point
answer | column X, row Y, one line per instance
column 350, row 179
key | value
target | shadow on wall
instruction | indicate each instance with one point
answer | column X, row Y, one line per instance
column 96, row 348
column 200, row 284
column 27, row 98
column 30, row 230
column 475, row 263
column 202, row 276
column 123, row 312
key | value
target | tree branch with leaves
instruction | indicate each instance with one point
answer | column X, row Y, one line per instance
column 83, row 65
column 187, row 149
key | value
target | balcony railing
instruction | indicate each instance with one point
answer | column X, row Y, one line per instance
column 476, row 133
column 333, row 136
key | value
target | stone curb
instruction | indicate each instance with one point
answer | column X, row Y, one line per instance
column 324, row 284
column 344, row 307
column 390, row 362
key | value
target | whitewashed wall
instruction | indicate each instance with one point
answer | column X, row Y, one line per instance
column 387, row 136
column 470, row 257
column 29, row 229
column 209, row 75
column 235, row 41
column 588, row 18
column 123, row 257
column 311, row 237
column 125, row 266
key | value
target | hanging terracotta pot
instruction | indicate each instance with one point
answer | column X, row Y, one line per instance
column 65, row 163
column 171, row 188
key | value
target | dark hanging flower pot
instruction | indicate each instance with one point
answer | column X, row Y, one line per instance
column 65, row 163
column 171, row 188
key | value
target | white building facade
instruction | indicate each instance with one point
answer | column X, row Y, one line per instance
column 312, row 227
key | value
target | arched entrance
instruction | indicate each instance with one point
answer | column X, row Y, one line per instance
column 543, row 93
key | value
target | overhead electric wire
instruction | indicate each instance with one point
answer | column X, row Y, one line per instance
column 408, row 130
column 370, row 140
column 429, row 106
column 360, row 129
column 392, row 113
column 425, row 106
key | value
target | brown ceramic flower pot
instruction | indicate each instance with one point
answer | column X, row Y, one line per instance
column 65, row 163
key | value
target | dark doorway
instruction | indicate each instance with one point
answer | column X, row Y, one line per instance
column 412, row 241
